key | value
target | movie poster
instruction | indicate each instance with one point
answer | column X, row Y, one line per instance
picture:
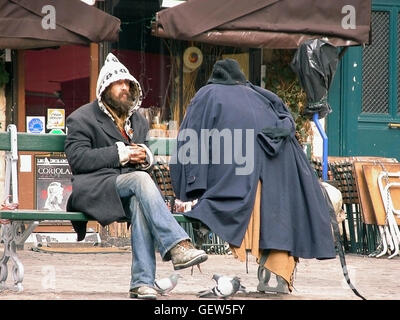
column 53, row 182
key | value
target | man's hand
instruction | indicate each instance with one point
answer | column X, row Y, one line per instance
column 138, row 154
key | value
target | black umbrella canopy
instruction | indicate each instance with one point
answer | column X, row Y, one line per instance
column 277, row 24
column 23, row 24
column 315, row 63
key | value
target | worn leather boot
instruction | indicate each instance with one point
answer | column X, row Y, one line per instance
column 143, row 292
column 185, row 255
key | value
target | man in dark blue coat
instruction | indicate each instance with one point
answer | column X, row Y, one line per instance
column 235, row 135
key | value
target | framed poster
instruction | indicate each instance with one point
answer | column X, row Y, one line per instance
column 53, row 182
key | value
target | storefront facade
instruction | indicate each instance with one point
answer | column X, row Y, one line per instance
column 365, row 93
column 48, row 84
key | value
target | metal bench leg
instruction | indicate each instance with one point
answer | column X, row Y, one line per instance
column 23, row 233
column 8, row 236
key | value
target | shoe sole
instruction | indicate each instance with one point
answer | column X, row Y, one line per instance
column 142, row 296
column 197, row 260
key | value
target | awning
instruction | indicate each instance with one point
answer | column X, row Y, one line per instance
column 75, row 23
column 266, row 23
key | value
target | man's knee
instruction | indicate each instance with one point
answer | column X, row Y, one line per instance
column 142, row 176
column 135, row 178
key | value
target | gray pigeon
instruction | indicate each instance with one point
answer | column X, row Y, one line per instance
column 225, row 287
column 165, row 285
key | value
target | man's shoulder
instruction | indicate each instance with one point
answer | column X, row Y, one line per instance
column 264, row 92
column 217, row 90
column 209, row 91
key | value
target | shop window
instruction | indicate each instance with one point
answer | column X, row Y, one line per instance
column 155, row 63
column 56, row 79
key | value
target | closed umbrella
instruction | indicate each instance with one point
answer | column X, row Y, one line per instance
column 315, row 63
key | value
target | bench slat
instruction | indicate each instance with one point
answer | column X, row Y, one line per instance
column 34, row 142
column 181, row 218
column 55, row 143
column 40, row 215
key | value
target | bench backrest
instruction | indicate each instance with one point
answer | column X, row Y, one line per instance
column 55, row 143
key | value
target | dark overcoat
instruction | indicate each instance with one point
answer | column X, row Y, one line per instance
column 294, row 213
column 93, row 156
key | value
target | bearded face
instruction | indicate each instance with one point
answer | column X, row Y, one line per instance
column 119, row 96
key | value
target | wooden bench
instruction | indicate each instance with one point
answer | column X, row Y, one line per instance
column 17, row 224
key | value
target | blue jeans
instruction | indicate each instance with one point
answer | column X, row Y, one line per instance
column 152, row 224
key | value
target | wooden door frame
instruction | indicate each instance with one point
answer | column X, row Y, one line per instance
column 21, row 111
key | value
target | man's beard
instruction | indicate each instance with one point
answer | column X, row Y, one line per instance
column 121, row 107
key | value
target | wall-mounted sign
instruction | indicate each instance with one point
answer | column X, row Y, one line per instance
column 35, row 124
column 55, row 118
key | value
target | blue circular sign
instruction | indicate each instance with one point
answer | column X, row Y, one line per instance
column 36, row 125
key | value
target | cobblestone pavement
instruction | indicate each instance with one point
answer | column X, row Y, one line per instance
column 105, row 276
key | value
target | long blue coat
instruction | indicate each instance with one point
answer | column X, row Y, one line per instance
column 294, row 213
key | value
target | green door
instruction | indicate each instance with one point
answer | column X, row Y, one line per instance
column 365, row 94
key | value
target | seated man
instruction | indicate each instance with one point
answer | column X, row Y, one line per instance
column 238, row 155
column 106, row 150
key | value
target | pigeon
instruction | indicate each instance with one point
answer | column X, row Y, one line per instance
column 165, row 285
column 225, row 287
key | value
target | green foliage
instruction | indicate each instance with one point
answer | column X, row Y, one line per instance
column 281, row 80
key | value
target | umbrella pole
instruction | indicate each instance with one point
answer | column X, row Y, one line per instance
column 324, row 146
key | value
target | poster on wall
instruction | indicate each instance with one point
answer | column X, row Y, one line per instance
column 53, row 182
column 55, row 119
column 35, row 124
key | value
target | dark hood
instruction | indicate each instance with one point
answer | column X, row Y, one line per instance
column 227, row 71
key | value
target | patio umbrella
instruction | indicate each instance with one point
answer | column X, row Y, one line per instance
column 22, row 24
column 315, row 63
column 279, row 24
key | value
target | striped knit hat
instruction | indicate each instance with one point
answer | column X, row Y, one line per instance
column 113, row 70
